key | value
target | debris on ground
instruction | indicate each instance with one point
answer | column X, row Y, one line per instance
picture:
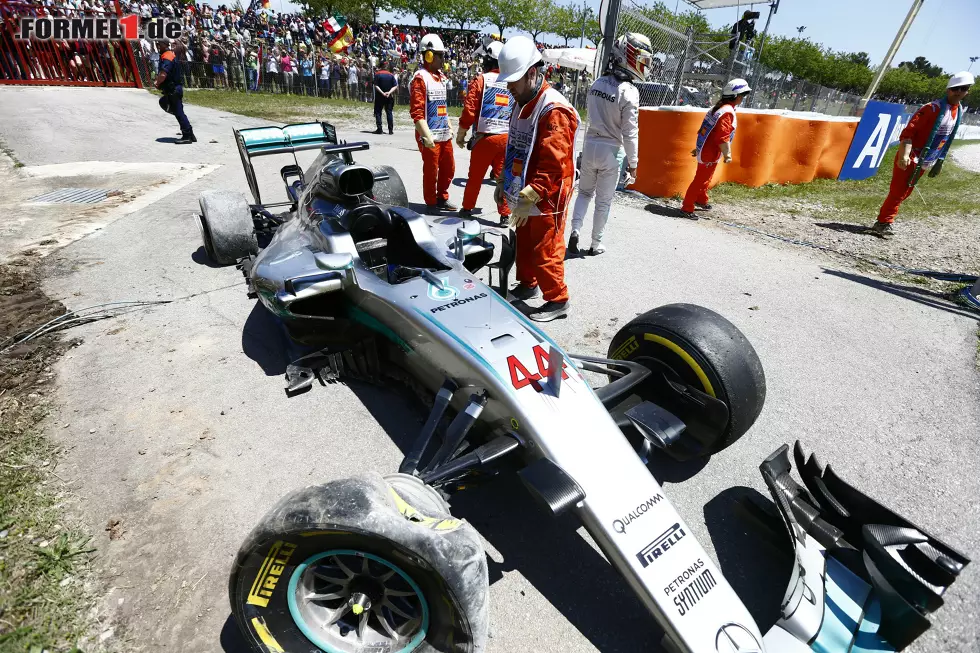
column 41, row 550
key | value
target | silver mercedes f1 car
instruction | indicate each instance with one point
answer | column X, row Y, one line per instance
column 378, row 563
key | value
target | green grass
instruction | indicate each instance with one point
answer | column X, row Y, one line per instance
column 954, row 192
column 44, row 556
column 289, row 108
column 43, row 604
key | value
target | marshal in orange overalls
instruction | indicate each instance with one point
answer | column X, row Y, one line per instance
column 488, row 105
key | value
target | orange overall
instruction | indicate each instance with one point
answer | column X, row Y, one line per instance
column 488, row 150
column 697, row 192
column 917, row 131
column 551, row 174
column 438, row 164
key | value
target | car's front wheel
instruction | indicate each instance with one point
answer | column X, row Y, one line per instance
column 362, row 564
column 705, row 371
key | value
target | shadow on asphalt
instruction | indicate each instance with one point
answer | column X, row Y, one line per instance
column 543, row 549
column 231, row 637
column 551, row 554
column 758, row 571
column 460, row 182
column 923, row 296
column 201, row 258
column 667, row 470
column 845, row 227
column 666, row 211
column 167, row 139
column 265, row 341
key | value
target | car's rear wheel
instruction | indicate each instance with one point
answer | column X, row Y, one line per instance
column 390, row 191
column 226, row 226
column 705, row 371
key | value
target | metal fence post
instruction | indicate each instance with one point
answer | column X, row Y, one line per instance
column 681, row 65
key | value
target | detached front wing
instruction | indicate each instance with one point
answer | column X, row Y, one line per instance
column 866, row 579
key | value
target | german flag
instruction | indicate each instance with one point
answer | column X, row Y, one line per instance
column 501, row 100
column 441, row 111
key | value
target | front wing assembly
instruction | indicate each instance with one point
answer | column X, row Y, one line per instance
column 865, row 578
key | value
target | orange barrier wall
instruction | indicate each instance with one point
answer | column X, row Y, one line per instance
column 769, row 147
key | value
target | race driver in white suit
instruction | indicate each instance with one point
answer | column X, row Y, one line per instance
column 614, row 105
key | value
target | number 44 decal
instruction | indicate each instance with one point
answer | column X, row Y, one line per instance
column 520, row 376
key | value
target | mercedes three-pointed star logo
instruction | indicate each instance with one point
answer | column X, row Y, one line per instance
column 736, row 638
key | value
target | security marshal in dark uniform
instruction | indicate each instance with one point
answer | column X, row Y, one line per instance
column 171, row 83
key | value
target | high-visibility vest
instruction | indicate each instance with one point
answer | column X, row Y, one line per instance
column 497, row 106
column 709, row 122
column 436, row 111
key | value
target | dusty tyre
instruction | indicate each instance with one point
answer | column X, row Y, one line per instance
column 702, row 364
column 226, row 226
column 390, row 191
column 362, row 564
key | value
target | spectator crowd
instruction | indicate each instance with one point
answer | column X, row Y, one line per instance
column 261, row 50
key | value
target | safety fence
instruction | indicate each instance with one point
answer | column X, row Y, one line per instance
column 233, row 73
column 691, row 69
column 83, row 62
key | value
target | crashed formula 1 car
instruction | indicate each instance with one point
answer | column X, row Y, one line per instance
column 378, row 563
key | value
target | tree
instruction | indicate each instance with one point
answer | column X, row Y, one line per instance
column 564, row 23
column 431, row 9
column 921, row 65
column 859, row 58
column 377, row 6
column 504, row 13
column 464, row 13
column 538, row 18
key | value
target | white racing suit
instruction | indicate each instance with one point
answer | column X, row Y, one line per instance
column 613, row 122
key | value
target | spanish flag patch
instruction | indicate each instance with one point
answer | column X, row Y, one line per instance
column 441, row 111
column 518, row 167
column 501, row 100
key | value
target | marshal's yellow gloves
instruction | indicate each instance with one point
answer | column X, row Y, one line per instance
column 425, row 134
column 461, row 138
column 528, row 199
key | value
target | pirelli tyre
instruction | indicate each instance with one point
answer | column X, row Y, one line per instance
column 226, row 226
column 362, row 564
column 705, row 371
column 390, row 191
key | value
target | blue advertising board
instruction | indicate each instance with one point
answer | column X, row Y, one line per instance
column 880, row 126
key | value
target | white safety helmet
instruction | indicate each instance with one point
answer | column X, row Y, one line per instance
column 516, row 58
column 737, row 86
column 493, row 50
column 964, row 78
column 431, row 42
column 633, row 54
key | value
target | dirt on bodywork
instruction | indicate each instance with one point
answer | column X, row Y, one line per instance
column 45, row 599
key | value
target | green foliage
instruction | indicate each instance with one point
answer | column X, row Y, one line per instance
column 504, row 13
column 431, row 9
column 540, row 17
column 955, row 192
column 911, row 82
column 680, row 21
column 922, row 65
column 567, row 22
column 461, row 14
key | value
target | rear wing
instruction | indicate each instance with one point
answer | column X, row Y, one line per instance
column 263, row 141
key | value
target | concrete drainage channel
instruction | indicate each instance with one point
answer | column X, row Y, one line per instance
column 74, row 196
column 51, row 206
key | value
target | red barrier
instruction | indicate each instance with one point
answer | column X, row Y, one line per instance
column 59, row 62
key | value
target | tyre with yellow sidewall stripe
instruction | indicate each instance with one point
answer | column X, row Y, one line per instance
column 691, row 347
column 361, row 565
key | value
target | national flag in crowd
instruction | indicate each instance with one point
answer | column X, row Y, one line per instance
column 339, row 32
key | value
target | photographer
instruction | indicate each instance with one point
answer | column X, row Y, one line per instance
column 744, row 30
